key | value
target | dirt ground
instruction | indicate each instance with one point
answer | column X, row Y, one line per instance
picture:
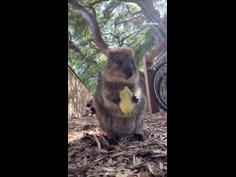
column 90, row 155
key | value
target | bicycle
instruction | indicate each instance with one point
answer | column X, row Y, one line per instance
column 160, row 79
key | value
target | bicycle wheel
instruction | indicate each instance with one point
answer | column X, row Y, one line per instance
column 160, row 85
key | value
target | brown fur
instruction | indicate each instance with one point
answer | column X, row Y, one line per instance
column 111, row 119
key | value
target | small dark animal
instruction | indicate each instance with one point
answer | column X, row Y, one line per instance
column 90, row 109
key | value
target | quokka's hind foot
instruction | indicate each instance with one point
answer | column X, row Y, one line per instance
column 138, row 137
column 113, row 140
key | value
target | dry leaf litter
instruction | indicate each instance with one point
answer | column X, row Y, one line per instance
column 89, row 154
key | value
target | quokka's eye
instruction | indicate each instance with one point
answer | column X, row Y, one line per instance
column 119, row 62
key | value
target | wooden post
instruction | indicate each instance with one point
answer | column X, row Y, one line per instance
column 149, row 75
column 152, row 104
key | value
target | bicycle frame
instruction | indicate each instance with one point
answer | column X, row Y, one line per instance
column 161, row 58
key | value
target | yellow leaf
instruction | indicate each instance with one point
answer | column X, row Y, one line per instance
column 126, row 103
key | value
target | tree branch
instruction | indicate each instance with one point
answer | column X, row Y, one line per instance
column 73, row 47
column 132, row 40
column 138, row 12
column 136, row 32
column 110, row 8
column 96, row 2
column 91, row 20
column 117, row 19
column 131, row 19
column 92, row 46
column 152, row 15
column 134, row 1
column 94, row 11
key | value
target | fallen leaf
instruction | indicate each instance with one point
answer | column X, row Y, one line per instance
column 153, row 170
column 109, row 161
column 134, row 160
column 123, row 174
column 85, row 161
column 138, row 160
column 161, row 165
column 144, row 174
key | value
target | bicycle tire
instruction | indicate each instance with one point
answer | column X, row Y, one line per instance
column 157, row 80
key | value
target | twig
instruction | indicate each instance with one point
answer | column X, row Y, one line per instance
column 96, row 2
column 97, row 141
column 97, row 160
column 134, row 161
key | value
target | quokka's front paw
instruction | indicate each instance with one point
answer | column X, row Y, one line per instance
column 112, row 140
column 116, row 99
column 135, row 99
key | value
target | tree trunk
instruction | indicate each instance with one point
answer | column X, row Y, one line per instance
column 152, row 16
column 91, row 20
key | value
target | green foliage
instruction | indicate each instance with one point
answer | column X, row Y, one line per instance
column 121, row 24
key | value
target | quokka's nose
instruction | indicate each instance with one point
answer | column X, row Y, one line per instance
column 128, row 72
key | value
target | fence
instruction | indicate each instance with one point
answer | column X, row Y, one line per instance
column 78, row 95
